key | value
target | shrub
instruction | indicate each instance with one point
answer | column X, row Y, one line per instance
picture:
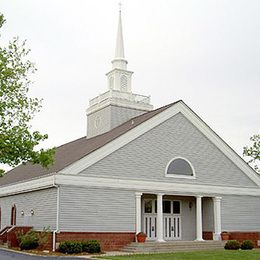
column 29, row 240
column 70, row 247
column 232, row 245
column 84, row 245
column 91, row 246
column 247, row 245
column 44, row 235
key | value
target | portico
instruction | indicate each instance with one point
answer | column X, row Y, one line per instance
column 165, row 217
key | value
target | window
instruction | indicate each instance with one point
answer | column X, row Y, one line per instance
column 148, row 206
column 180, row 167
column 13, row 215
column 176, row 207
column 111, row 83
column 123, row 83
column 167, row 206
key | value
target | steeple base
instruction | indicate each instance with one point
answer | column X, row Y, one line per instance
column 112, row 109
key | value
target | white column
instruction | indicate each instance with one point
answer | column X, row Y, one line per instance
column 217, row 218
column 198, row 219
column 160, row 217
column 138, row 210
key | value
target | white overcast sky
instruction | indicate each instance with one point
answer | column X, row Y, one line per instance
column 205, row 52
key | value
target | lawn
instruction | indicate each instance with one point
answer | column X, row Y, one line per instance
column 202, row 255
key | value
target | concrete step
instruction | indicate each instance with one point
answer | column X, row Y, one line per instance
column 169, row 250
column 5, row 245
column 173, row 246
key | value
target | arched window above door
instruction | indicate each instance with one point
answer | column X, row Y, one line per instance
column 181, row 168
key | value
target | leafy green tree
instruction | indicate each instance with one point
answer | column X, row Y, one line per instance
column 17, row 109
column 253, row 152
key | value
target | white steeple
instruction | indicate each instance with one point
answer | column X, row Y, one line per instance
column 118, row 104
column 119, row 61
column 119, row 53
column 119, row 78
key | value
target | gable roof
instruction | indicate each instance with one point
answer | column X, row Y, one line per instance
column 158, row 118
column 71, row 152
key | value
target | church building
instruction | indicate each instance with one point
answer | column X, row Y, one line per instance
column 161, row 171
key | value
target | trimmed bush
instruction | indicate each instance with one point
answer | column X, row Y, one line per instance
column 70, row 247
column 28, row 241
column 91, row 246
column 232, row 245
column 247, row 245
column 84, row 245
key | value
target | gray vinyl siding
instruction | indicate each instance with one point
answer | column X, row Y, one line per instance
column 105, row 124
column 146, row 157
column 119, row 115
column 240, row 213
column 110, row 117
column 96, row 210
column 42, row 202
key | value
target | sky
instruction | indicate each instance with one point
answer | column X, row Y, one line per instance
column 205, row 52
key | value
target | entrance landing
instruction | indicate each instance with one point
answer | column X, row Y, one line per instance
column 173, row 246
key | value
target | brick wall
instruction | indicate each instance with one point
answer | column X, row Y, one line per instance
column 12, row 240
column 3, row 234
column 241, row 236
column 109, row 241
column 47, row 243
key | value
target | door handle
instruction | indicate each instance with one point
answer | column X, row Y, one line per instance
column 172, row 229
column 152, row 228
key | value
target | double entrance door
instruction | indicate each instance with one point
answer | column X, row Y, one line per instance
column 171, row 219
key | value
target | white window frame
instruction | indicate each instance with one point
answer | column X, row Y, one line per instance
column 179, row 176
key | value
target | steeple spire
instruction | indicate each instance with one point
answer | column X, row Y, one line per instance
column 119, row 61
column 119, row 53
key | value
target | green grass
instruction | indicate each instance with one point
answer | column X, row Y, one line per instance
column 202, row 255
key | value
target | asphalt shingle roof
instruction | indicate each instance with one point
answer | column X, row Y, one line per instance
column 73, row 151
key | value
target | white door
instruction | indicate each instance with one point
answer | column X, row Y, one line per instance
column 172, row 227
column 171, row 219
column 150, row 226
column 149, row 218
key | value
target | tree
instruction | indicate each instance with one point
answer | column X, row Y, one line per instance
column 253, row 151
column 17, row 140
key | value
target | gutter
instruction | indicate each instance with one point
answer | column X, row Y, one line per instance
column 57, row 216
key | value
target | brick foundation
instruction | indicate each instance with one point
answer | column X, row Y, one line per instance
column 12, row 240
column 236, row 235
column 241, row 236
column 109, row 241
column 48, row 244
column 3, row 234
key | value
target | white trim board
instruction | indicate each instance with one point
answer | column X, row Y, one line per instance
column 27, row 186
column 153, row 186
column 149, row 124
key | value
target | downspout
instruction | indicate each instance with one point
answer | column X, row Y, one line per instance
column 57, row 215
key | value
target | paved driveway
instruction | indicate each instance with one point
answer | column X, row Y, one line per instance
column 9, row 255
